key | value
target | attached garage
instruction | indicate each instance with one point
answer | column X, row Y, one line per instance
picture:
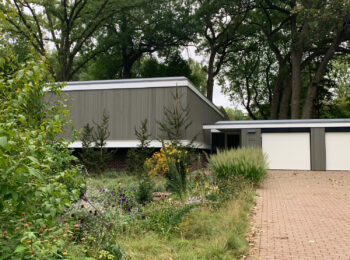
column 337, row 150
column 287, row 150
column 312, row 144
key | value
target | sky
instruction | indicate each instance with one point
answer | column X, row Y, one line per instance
column 219, row 99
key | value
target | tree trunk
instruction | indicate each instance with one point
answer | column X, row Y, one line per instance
column 285, row 101
column 126, row 74
column 296, row 57
column 321, row 70
column 276, row 95
column 296, row 84
column 210, row 80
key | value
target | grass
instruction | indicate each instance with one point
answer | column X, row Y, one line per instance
column 202, row 234
column 113, row 179
column 249, row 163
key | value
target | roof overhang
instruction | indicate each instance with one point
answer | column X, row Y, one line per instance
column 166, row 82
column 222, row 125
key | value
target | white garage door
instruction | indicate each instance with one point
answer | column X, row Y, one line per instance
column 338, row 151
column 287, row 151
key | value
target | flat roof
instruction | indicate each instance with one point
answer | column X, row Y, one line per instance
column 137, row 83
column 294, row 123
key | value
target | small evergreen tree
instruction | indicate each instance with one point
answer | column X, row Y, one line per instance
column 177, row 119
column 94, row 155
column 136, row 156
column 87, row 154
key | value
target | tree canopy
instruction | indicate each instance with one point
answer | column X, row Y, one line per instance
column 279, row 59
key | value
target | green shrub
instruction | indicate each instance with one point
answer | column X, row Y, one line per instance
column 145, row 190
column 136, row 157
column 249, row 163
column 95, row 156
column 38, row 178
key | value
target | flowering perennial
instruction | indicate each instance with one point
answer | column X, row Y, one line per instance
column 159, row 163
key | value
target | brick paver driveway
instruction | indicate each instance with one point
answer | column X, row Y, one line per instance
column 303, row 215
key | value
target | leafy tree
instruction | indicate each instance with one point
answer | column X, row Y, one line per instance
column 143, row 28
column 174, row 65
column 70, row 27
column 235, row 114
column 295, row 42
column 219, row 26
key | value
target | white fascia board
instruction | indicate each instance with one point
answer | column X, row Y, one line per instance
column 135, row 143
column 291, row 125
column 126, row 85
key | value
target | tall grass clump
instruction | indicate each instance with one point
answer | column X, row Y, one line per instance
column 249, row 163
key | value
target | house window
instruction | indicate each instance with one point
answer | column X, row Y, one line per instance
column 233, row 141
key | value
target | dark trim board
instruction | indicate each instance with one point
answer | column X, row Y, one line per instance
column 337, row 129
column 286, row 130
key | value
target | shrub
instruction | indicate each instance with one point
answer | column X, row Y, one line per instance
column 136, row 157
column 39, row 179
column 145, row 190
column 173, row 163
column 249, row 163
column 94, row 155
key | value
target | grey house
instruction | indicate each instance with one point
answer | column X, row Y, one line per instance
column 316, row 144
column 289, row 144
column 128, row 102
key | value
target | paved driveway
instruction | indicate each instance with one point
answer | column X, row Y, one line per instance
column 303, row 215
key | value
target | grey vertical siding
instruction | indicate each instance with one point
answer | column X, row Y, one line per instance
column 128, row 107
column 251, row 139
column 201, row 114
column 318, row 149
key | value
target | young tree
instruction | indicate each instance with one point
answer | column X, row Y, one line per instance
column 136, row 157
column 177, row 119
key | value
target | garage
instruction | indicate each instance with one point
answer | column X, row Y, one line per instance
column 301, row 144
column 338, row 151
column 287, row 151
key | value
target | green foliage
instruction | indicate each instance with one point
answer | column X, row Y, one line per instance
column 145, row 190
column 235, row 114
column 166, row 220
column 177, row 176
column 135, row 158
column 175, row 65
column 249, row 163
column 69, row 28
column 94, row 155
column 177, row 119
column 38, row 177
